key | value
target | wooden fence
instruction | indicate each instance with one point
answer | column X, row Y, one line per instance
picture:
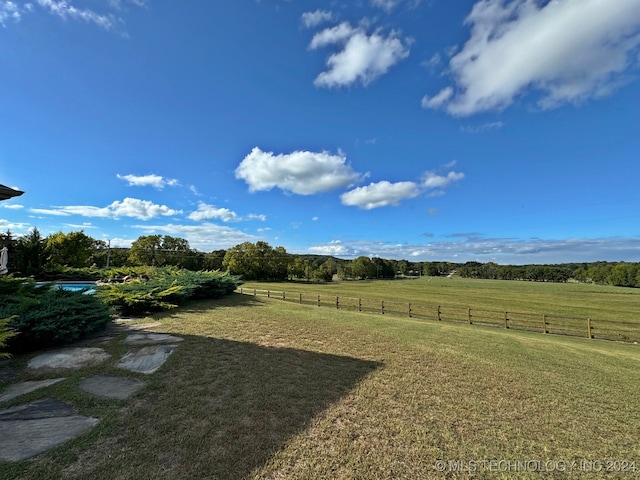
column 533, row 322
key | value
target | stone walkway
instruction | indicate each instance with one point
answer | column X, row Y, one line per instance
column 33, row 428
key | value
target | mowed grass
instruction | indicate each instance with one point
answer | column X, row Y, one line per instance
column 265, row 389
column 569, row 299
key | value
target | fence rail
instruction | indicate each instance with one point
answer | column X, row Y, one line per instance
column 527, row 321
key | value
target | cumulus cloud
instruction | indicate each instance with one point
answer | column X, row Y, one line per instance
column 129, row 207
column 151, row 180
column 380, row 194
column 363, row 57
column 313, row 19
column 565, row 50
column 204, row 237
column 301, row 172
column 206, row 212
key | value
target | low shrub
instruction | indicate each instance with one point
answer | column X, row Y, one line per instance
column 165, row 289
column 44, row 317
column 5, row 334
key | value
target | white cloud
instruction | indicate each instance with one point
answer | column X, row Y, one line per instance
column 432, row 181
column 439, row 99
column 567, row 50
column 11, row 206
column 10, row 11
column 204, row 237
column 363, row 57
column 257, row 216
column 380, row 194
column 301, row 172
column 482, row 128
column 313, row 19
column 206, row 212
column 501, row 250
column 388, row 5
column 64, row 9
column 129, row 207
column 13, row 226
column 150, row 180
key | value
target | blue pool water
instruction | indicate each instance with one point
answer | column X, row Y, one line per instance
column 76, row 286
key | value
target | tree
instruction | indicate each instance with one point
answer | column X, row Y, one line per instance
column 29, row 254
column 257, row 261
column 213, row 260
column 160, row 250
column 363, row 268
column 73, row 249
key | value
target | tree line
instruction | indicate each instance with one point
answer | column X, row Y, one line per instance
column 34, row 255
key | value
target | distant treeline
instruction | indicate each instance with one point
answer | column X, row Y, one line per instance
column 46, row 257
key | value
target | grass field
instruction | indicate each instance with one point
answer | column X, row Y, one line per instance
column 265, row 389
column 615, row 311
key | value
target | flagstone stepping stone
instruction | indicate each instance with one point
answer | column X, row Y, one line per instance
column 21, row 388
column 146, row 359
column 69, row 358
column 143, row 338
column 108, row 386
column 30, row 429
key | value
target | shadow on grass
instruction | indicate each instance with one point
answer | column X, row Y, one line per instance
column 221, row 409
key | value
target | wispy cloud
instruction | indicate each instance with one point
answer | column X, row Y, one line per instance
column 300, row 172
column 151, row 180
column 485, row 127
column 363, row 57
column 65, row 10
column 565, row 50
column 11, row 206
column 129, row 207
column 500, row 250
column 313, row 19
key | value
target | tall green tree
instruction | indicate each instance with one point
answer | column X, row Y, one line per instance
column 73, row 249
column 29, row 254
column 160, row 250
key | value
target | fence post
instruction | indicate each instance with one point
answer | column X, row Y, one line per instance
column 409, row 309
column 318, row 300
column 268, row 294
column 382, row 307
column 589, row 328
column 283, row 296
column 337, row 303
column 300, row 299
column 240, row 290
column 544, row 323
column 359, row 304
column 506, row 320
column 439, row 312
column 469, row 313
column 254, row 292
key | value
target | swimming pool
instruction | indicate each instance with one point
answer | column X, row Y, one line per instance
column 90, row 287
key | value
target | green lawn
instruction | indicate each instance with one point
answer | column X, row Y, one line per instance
column 265, row 389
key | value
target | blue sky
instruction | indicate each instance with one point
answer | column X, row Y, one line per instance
column 493, row 130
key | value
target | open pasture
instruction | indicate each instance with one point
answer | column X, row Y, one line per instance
column 570, row 308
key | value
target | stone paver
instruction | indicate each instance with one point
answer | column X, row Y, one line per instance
column 21, row 388
column 69, row 358
column 30, row 429
column 108, row 386
column 145, row 338
column 146, row 359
